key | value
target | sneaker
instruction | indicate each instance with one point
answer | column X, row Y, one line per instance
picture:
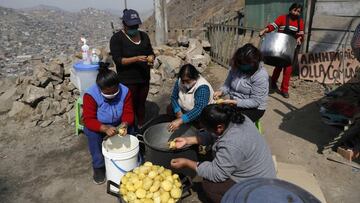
column 285, row 94
column 99, row 175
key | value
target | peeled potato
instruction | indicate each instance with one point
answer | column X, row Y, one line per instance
column 152, row 174
column 140, row 193
column 165, row 197
column 148, row 200
column 171, row 200
column 122, row 131
column 166, row 185
column 172, row 145
column 167, row 172
column 219, row 101
column 131, row 196
column 148, row 163
column 175, row 193
column 138, row 184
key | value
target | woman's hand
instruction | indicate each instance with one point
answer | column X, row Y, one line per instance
column 180, row 142
column 110, row 131
column 175, row 125
column 229, row 101
column 217, row 94
column 141, row 58
column 298, row 41
column 179, row 163
column 262, row 32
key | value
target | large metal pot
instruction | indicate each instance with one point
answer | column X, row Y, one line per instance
column 157, row 151
column 278, row 49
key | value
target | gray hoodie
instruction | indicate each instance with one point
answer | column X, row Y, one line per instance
column 249, row 91
column 240, row 153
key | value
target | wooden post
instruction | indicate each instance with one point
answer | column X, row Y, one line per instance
column 160, row 22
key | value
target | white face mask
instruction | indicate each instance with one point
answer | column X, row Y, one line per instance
column 110, row 96
column 189, row 86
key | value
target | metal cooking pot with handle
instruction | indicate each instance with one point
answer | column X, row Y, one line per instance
column 278, row 49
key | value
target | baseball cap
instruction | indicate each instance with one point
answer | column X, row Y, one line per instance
column 131, row 17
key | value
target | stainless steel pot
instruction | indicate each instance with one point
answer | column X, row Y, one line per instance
column 278, row 49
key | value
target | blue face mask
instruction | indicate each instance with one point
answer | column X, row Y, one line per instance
column 245, row 68
column 132, row 32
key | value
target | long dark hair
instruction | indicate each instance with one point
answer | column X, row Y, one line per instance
column 106, row 77
column 189, row 71
column 247, row 54
column 217, row 114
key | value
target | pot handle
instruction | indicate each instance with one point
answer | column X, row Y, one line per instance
column 186, row 185
column 110, row 183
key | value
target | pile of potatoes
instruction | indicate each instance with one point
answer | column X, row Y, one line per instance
column 150, row 183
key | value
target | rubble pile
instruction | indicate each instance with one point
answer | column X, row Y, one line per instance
column 48, row 32
column 45, row 97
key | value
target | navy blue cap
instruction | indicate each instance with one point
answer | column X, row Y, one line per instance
column 131, row 17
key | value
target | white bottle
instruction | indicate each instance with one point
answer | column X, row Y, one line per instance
column 94, row 57
column 85, row 52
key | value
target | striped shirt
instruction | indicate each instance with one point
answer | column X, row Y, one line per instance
column 202, row 95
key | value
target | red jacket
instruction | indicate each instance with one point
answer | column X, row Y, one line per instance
column 90, row 108
column 280, row 24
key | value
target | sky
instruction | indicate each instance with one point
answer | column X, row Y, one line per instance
column 74, row 5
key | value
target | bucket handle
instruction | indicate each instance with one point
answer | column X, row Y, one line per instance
column 124, row 171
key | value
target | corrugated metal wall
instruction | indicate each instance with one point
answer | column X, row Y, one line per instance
column 258, row 13
column 333, row 24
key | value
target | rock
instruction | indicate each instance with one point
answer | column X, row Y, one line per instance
column 36, row 117
column 169, row 65
column 69, row 107
column 45, row 124
column 57, row 95
column 200, row 62
column 58, row 119
column 42, row 108
column 62, row 109
column 71, row 117
column 172, row 43
column 33, row 95
column 56, row 69
column 50, row 89
column 157, row 63
column 205, row 45
column 65, row 95
column 155, row 78
column 6, row 99
column 153, row 90
column 181, row 55
column 183, row 41
column 195, row 48
column 17, row 107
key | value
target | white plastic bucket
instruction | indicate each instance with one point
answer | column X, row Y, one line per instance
column 121, row 155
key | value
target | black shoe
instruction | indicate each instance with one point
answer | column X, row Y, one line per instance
column 285, row 95
column 99, row 175
column 274, row 86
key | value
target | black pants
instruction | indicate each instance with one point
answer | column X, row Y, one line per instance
column 253, row 114
column 215, row 191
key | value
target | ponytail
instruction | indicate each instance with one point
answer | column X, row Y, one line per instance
column 217, row 114
column 106, row 77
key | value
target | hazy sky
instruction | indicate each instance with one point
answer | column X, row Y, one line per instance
column 72, row 5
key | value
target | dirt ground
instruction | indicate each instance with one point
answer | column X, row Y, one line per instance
column 53, row 164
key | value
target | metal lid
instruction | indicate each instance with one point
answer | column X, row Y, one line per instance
column 267, row 190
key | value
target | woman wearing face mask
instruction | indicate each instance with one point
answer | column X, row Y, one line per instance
column 133, row 55
column 190, row 95
column 247, row 83
column 106, row 105
column 240, row 152
column 293, row 25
